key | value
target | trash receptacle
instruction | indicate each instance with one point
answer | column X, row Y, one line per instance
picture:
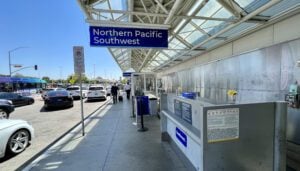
column 142, row 105
column 153, row 106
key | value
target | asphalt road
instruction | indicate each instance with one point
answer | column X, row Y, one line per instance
column 48, row 125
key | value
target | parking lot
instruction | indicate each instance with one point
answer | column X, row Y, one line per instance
column 48, row 125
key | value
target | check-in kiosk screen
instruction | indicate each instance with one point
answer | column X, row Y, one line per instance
column 177, row 108
column 187, row 112
column 183, row 110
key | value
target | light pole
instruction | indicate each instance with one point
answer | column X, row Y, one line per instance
column 9, row 60
column 60, row 74
column 94, row 75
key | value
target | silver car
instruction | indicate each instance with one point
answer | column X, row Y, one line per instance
column 15, row 136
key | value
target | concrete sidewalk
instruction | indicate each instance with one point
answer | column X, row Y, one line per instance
column 112, row 143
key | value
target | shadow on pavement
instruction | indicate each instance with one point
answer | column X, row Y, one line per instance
column 8, row 156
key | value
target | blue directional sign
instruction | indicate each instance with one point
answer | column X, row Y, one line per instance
column 181, row 136
column 127, row 74
column 128, row 37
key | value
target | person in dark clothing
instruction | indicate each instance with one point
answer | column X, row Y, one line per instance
column 114, row 92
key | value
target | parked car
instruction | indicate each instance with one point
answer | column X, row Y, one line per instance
column 84, row 91
column 96, row 93
column 15, row 136
column 61, row 98
column 75, row 91
column 6, row 107
column 46, row 90
column 16, row 99
column 108, row 90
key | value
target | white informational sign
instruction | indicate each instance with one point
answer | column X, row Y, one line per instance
column 78, row 54
column 222, row 124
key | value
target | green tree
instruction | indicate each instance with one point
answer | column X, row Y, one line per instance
column 124, row 81
column 73, row 79
column 47, row 79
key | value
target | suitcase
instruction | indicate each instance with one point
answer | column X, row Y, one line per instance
column 120, row 98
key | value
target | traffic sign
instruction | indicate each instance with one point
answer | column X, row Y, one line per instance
column 78, row 54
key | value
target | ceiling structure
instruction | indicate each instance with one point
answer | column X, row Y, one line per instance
column 194, row 26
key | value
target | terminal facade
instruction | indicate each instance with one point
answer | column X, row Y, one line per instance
column 237, row 58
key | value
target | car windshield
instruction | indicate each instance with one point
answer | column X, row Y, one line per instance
column 57, row 93
column 96, row 88
column 73, row 88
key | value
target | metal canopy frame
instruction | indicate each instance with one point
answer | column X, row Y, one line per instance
column 195, row 26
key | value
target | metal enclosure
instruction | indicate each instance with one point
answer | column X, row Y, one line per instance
column 262, row 75
column 241, row 137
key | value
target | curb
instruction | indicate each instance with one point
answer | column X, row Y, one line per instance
column 24, row 165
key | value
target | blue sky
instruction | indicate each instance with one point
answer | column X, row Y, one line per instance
column 50, row 29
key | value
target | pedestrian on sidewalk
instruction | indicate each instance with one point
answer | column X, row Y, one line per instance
column 127, row 88
column 114, row 92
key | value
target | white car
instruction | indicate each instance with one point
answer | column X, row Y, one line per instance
column 75, row 92
column 15, row 136
column 108, row 90
column 96, row 93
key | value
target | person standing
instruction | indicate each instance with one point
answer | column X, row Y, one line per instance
column 114, row 92
column 127, row 88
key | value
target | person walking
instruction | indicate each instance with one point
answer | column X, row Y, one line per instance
column 127, row 88
column 114, row 92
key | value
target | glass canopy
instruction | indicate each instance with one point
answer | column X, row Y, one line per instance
column 195, row 26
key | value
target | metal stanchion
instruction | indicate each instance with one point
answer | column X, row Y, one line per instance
column 142, row 128
column 132, row 104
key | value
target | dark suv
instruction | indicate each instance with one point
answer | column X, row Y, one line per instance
column 6, row 107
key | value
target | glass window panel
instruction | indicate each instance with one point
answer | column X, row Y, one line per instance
column 243, row 3
column 162, row 57
column 117, row 52
column 198, row 22
column 223, row 13
column 154, row 63
column 101, row 5
column 171, row 53
column 194, row 36
column 124, row 56
column 116, row 5
column 175, row 43
column 209, row 9
column 160, row 61
column 180, row 46
column 209, row 25
column 105, row 16
column 186, row 30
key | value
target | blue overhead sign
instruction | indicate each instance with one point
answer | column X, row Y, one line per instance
column 127, row 74
column 128, row 37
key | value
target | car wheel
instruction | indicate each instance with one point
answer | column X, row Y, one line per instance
column 3, row 114
column 18, row 141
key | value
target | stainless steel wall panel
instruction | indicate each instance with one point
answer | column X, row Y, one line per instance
column 256, row 133
column 227, row 77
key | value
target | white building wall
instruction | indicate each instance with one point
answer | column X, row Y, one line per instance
column 286, row 30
